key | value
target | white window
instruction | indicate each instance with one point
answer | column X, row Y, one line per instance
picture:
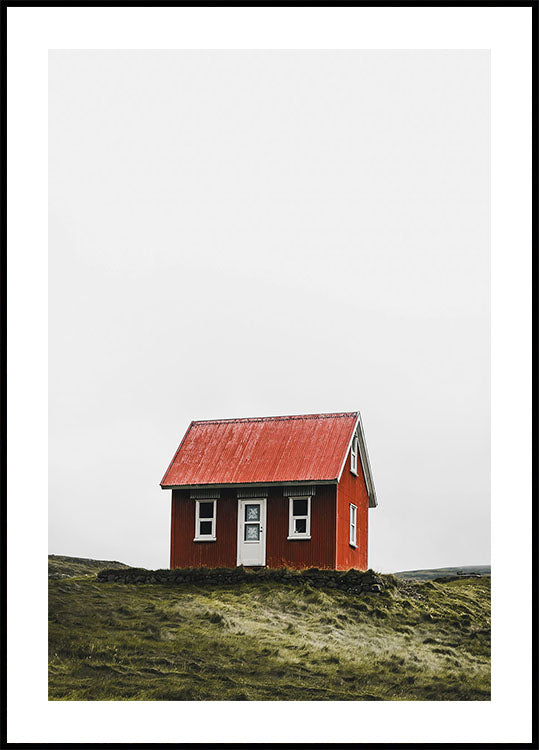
column 353, row 456
column 299, row 518
column 205, row 515
column 353, row 525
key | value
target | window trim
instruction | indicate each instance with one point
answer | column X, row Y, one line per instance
column 354, row 449
column 205, row 537
column 352, row 539
column 292, row 536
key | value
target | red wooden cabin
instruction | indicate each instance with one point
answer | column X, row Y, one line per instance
column 276, row 491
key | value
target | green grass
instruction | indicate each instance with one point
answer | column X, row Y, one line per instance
column 267, row 641
column 61, row 566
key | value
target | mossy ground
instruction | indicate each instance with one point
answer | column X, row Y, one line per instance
column 61, row 566
column 268, row 641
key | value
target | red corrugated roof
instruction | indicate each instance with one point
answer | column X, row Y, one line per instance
column 303, row 448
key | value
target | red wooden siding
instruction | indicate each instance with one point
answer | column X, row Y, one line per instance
column 319, row 551
column 352, row 489
column 316, row 552
column 184, row 552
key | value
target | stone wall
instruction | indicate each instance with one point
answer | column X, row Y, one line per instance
column 355, row 581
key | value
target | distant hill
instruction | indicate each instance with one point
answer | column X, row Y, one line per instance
column 61, row 566
column 428, row 574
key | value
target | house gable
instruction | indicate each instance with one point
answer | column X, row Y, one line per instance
column 363, row 460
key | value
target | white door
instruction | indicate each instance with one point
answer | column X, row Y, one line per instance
column 252, row 531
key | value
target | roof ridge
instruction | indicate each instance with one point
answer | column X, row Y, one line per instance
column 283, row 417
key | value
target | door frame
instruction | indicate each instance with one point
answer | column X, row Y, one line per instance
column 263, row 505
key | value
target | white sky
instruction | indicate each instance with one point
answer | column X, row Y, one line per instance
column 257, row 233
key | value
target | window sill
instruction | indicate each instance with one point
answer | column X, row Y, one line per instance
column 297, row 538
column 205, row 539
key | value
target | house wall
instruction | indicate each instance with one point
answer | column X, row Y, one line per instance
column 184, row 552
column 316, row 552
column 352, row 489
column 319, row 551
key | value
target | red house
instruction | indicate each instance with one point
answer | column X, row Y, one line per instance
column 276, row 491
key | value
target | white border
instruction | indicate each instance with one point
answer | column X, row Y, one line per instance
column 507, row 33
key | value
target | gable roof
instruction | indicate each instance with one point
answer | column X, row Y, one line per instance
column 264, row 450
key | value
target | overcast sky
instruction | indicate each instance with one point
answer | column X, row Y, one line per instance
column 258, row 233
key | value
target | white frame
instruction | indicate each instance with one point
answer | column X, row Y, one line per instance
column 353, row 526
column 353, row 455
column 291, row 534
column 205, row 537
column 242, row 501
column 503, row 31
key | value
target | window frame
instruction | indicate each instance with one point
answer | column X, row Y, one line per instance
column 354, row 450
column 246, row 522
column 205, row 537
column 352, row 538
column 291, row 517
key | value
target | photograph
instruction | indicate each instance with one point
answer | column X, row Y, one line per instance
column 270, row 297
column 260, row 263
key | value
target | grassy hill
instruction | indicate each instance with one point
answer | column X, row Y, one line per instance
column 267, row 640
column 61, row 566
column 428, row 574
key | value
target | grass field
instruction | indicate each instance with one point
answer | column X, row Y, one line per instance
column 266, row 640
